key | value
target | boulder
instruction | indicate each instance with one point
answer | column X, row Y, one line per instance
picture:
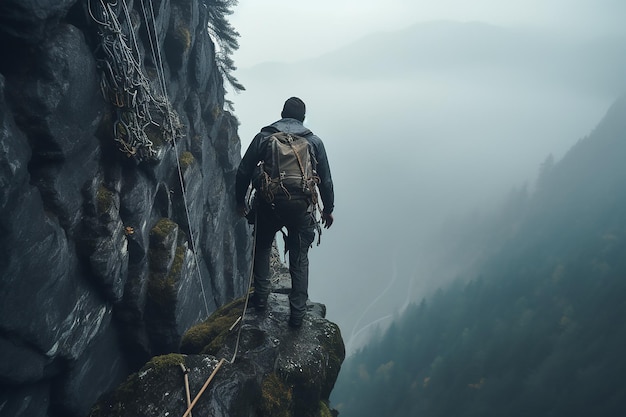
column 257, row 366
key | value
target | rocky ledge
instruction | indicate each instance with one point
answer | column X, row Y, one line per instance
column 278, row 371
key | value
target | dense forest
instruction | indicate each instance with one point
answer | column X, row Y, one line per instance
column 537, row 328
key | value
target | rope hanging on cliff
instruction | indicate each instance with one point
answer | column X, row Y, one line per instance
column 156, row 55
column 126, row 87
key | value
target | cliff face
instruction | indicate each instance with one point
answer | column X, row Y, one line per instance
column 97, row 268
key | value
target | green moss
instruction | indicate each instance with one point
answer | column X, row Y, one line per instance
column 183, row 36
column 105, row 199
column 186, row 160
column 177, row 265
column 163, row 228
column 162, row 289
column 158, row 363
column 165, row 272
column 276, row 397
column 216, row 111
column 324, row 410
column 162, row 293
column 208, row 337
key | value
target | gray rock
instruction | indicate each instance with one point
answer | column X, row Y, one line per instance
column 78, row 266
column 25, row 401
column 276, row 371
column 31, row 20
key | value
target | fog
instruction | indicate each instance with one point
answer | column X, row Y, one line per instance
column 424, row 124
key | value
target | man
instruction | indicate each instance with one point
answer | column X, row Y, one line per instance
column 295, row 213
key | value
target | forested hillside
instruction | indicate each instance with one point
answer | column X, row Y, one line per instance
column 537, row 329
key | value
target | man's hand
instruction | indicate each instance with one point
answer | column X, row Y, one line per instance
column 327, row 220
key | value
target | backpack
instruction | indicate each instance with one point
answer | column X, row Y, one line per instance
column 288, row 171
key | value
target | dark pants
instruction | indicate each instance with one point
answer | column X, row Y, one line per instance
column 300, row 224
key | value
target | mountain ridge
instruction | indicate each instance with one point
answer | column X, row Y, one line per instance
column 447, row 47
column 534, row 329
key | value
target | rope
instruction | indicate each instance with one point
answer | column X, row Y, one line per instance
column 204, row 387
column 187, row 391
column 156, row 55
column 238, row 321
column 125, row 86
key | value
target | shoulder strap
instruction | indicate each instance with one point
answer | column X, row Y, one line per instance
column 270, row 130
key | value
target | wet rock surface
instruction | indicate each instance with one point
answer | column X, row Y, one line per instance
column 277, row 371
column 91, row 285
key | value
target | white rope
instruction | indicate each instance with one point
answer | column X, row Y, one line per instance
column 156, row 55
column 238, row 321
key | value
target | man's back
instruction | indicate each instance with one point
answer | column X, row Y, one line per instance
column 296, row 214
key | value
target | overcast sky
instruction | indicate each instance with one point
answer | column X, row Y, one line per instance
column 465, row 130
column 288, row 30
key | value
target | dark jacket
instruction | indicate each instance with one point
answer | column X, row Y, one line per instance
column 256, row 153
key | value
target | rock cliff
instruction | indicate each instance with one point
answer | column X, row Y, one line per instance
column 104, row 262
column 276, row 371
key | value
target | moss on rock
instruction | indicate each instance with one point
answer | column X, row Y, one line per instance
column 105, row 199
column 208, row 336
column 158, row 363
column 162, row 289
column 140, row 385
column 162, row 229
column 186, row 160
column 325, row 410
column 183, row 36
column 276, row 397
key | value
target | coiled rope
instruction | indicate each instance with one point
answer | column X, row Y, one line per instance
column 124, row 85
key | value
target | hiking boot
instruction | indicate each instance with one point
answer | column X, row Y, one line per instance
column 259, row 303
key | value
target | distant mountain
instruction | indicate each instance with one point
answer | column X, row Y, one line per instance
column 538, row 329
column 473, row 110
column 472, row 49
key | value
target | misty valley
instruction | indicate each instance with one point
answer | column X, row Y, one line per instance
column 534, row 329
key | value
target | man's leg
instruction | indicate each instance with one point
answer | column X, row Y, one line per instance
column 300, row 236
column 265, row 232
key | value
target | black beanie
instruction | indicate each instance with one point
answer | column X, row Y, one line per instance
column 294, row 108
